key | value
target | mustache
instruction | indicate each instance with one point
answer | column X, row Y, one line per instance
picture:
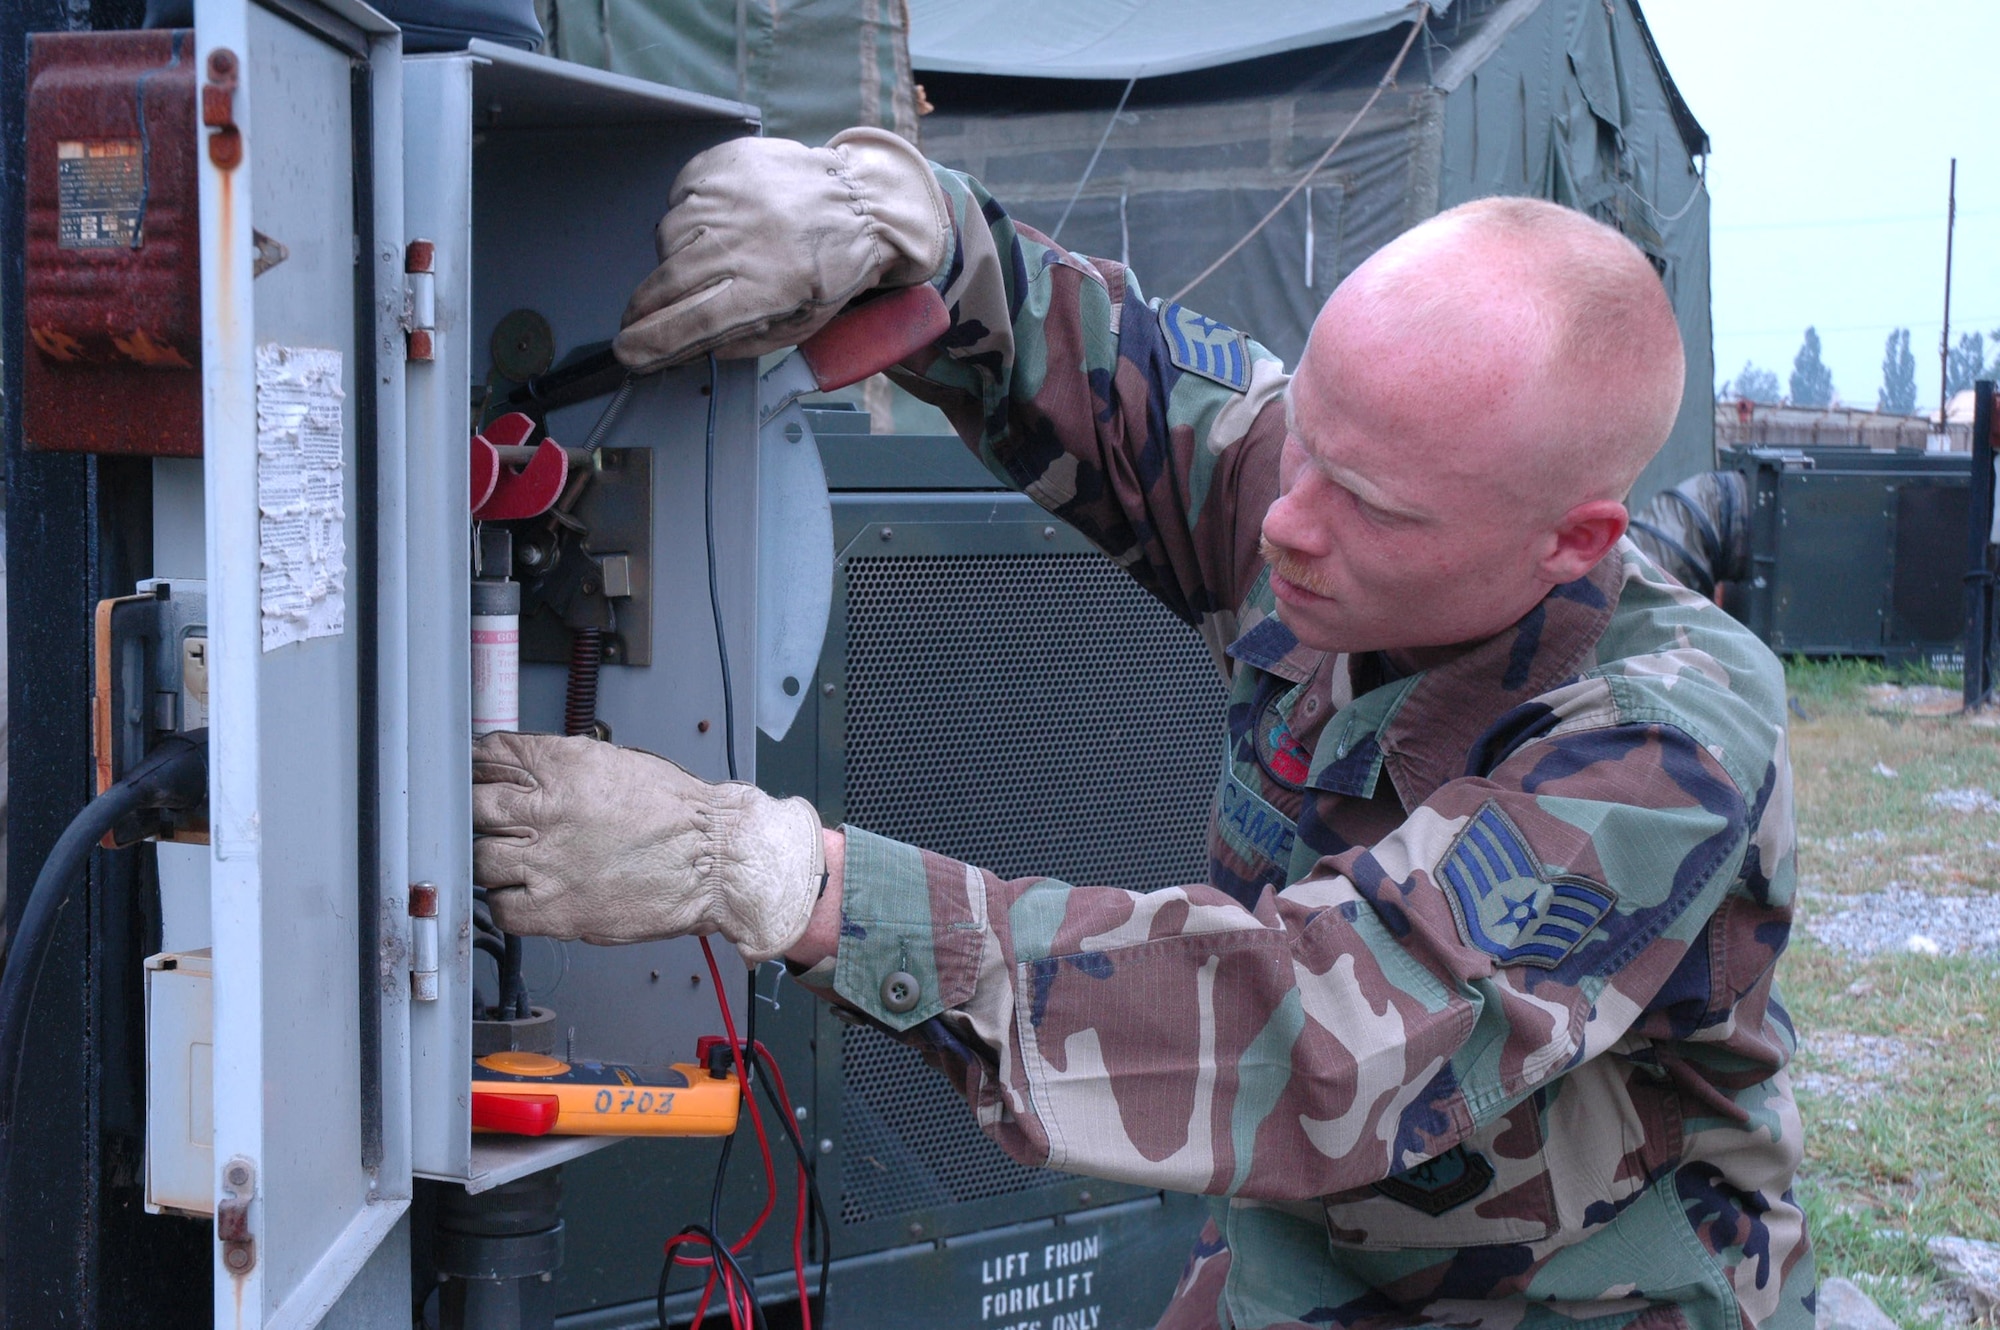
column 1291, row 567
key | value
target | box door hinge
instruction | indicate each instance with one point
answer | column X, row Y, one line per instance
column 232, row 1216
column 423, row 942
column 420, row 299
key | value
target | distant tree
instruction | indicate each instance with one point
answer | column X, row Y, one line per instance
column 1964, row 363
column 1899, row 375
column 1755, row 384
column 1812, row 381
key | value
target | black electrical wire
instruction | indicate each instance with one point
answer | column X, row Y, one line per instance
column 513, row 988
column 748, row 1068
column 723, row 1258
column 174, row 775
column 746, row 1061
column 715, row 591
column 815, row 1208
column 496, row 948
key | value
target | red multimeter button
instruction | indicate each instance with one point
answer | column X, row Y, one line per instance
column 521, row 1114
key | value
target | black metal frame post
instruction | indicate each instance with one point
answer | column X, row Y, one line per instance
column 80, row 1250
column 1979, row 553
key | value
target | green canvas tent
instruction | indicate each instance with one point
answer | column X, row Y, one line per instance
column 1559, row 99
column 1159, row 131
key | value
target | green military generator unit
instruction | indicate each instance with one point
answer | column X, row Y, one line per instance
column 1855, row 552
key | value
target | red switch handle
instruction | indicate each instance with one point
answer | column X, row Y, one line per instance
column 521, row 1114
column 869, row 337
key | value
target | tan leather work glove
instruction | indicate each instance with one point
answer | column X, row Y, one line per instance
column 580, row 838
column 766, row 239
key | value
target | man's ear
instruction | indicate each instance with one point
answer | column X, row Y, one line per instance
column 1585, row 535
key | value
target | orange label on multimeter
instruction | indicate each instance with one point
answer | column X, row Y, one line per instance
column 533, row 1094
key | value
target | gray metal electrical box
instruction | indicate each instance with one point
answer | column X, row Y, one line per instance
column 390, row 246
column 329, row 517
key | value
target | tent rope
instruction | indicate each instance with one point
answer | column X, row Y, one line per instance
column 1417, row 25
column 1091, row 165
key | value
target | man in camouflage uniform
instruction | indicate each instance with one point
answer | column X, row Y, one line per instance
column 1473, row 1022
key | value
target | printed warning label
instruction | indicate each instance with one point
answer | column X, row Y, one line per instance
column 100, row 194
column 301, row 528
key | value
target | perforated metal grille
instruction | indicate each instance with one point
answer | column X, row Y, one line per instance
column 1030, row 714
column 910, row 1139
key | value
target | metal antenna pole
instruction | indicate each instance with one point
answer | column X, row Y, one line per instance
column 1944, row 340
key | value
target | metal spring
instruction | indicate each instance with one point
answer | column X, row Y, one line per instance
column 586, row 654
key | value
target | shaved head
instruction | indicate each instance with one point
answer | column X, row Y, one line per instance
column 1474, row 404
column 1545, row 332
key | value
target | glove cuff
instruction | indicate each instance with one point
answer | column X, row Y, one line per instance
column 773, row 903
column 907, row 209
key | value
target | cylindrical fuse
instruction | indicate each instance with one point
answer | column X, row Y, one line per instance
column 496, row 656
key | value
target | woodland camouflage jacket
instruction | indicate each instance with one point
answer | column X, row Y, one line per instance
column 1474, row 1021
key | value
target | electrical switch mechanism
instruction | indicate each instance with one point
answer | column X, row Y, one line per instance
column 112, row 296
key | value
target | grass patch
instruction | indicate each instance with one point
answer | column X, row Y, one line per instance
column 1899, row 1073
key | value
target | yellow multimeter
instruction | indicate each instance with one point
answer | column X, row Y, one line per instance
column 533, row 1094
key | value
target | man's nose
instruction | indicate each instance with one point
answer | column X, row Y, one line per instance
column 1295, row 522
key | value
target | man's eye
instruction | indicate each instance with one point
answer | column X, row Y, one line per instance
column 1379, row 516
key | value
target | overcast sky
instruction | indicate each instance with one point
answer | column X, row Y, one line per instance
column 1833, row 127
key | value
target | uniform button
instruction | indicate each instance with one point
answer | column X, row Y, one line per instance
column 1312, row 706
column 900, row 991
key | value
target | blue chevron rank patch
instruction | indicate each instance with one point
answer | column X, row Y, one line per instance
column 1507, row 904
column 1200, row 345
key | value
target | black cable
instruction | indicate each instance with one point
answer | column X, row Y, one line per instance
column 714, row 590
column 815, row 1208
column 723, row 1258
column 497, row 949
column 174, row 775
column 513, row 988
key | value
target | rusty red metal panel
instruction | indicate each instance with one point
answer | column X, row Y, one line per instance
column 113, row 289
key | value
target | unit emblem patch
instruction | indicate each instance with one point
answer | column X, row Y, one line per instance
column 1200, row 345
column 1440, row 1184
column 1507, row 905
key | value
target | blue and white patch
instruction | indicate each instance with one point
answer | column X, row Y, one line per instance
column 1200, row 345
column 1507, row 904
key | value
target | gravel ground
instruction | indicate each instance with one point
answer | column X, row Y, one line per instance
column 1901, row 918
column 1850, row 1067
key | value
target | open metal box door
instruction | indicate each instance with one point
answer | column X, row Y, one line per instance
column 302, row 368
column 538, row 183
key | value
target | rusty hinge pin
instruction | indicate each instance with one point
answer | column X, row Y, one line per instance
column 420, row 298
column 423, row 942
column 218, row 110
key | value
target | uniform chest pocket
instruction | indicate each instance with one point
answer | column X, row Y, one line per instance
column 1492, row 1188
column 1256, row 832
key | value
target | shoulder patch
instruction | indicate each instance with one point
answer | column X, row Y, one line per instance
column 1507, row 904
column 1200, row 345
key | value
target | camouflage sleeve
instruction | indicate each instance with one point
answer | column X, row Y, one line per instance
column 1699, row 531
column 1363, row 1020
column 1152, row 430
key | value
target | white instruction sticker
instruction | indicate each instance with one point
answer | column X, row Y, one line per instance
column 301, row 533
